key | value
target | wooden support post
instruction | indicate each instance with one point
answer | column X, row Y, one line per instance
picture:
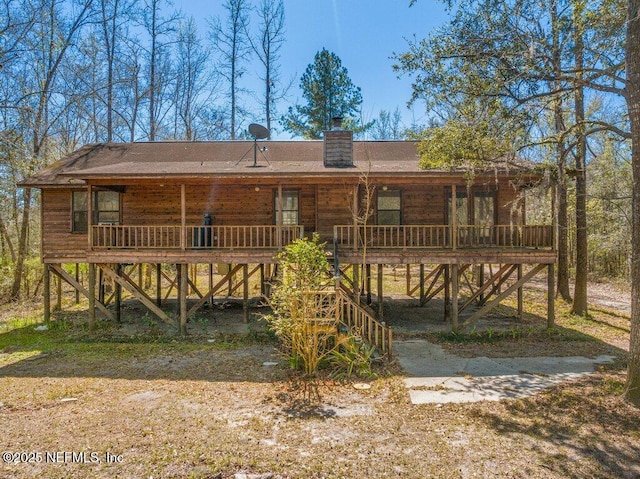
column 520, row 291
column 77, row 293
column 267, row 289
column 182, row 293
column 356, row 283
column 551, row 289
column 92, row 295
column 158, row 284
column 380, row 292
column 178, row 285
column 356, row 229
column 454, row 217
column 481, row 282
column 46, row 278
column 230, row 279
column 90, row 217
column 447, row 290
column 140, row 279
column 211, row 282
column 367, row 272
column 280, row 218
column 100, row 286
column 195, row 277
column 408, row 278
column 183, row 217
column 118, row 292
column 58, row 306
column 421, row 283
column 454, row 298
column 245, row 293
column 262, row 285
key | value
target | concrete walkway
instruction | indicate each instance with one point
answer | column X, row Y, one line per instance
column 434, row 376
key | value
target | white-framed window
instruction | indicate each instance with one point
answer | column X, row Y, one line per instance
column 389, row 207
column 290, row 207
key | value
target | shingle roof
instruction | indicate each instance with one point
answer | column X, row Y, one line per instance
column 226, row 159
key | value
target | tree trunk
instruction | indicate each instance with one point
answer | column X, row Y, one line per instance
column 23, row 245
column 580, row 292
column 632, row 392
column 561, row 190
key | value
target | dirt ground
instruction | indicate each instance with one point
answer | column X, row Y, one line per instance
column 134, row 400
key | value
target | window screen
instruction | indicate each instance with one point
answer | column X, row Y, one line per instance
column 79, row 220
column 106, row 209
column 389, row 207
column 289, row 207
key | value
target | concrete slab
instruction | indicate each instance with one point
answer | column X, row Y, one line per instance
column 435, row 376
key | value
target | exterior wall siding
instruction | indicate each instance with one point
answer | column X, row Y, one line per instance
column 56, row 224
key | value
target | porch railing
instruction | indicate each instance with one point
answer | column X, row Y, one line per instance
column 440, row 236
column 194, row 237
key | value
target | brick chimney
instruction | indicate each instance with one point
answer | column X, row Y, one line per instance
column 338, row 146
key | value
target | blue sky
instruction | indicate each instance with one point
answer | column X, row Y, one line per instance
column 363, row 33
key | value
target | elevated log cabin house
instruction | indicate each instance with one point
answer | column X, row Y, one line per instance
column 239, row 202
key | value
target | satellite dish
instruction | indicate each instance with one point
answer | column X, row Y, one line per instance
column 258, row 132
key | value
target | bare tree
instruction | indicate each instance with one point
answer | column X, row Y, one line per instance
column 52, row 37
column 160, row 29
column 388, row 125
column 266, row 45
column 230, row 39
column 193, row 84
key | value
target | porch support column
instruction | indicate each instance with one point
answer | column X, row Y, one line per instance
column 356, row 235
column 447, row 290
column 101, row 286
column 262, row 285
column 408, row 278
column 520, row 295
column 140, row 278
column 92, row 295
column 421, row 283
column 118, row 294
column 551, row 289
column 46, row 279
column 90, row 218
column 267, row 286
column 58, row 306
column 454, row 218
column 77, row 293
column 159, row 284
column 367, row 272
column 356, row 283
column 454, row 299
column 211, row 282
column 182, row 297
column 279, row 219
column 380, row 292
column 183, row 216
column 245, row 293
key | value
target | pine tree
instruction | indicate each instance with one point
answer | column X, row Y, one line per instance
column 329, row 93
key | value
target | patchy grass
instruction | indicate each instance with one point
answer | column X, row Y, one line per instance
column 176, row 408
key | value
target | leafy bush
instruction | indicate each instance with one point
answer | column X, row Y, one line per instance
column 303, row 314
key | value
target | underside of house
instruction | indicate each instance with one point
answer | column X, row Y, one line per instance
column 236, row 204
